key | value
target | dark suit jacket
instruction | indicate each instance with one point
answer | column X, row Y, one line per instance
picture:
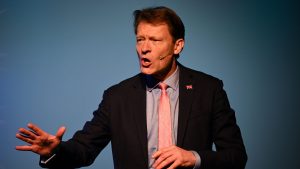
column 205, row 117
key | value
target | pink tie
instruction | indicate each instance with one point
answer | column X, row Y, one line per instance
column 164, row 119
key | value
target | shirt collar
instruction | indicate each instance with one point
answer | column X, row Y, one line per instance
column 171, row 81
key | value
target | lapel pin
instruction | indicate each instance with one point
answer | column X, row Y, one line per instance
column 189, row 87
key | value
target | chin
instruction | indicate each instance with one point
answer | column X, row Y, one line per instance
column 147, row 71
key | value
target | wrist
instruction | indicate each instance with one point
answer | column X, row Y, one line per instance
column 197, row 160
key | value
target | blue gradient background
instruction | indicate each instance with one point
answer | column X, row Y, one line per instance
column 56, row 58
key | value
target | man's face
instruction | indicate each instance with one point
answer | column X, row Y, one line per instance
column 155, row 48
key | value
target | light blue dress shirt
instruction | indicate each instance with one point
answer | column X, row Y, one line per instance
column 153, row 95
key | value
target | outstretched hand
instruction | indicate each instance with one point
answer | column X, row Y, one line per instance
column 39, row 141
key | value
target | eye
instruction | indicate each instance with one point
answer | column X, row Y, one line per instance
column 139, row 39
column 155, row 40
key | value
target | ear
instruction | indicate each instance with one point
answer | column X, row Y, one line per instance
column 179, row 44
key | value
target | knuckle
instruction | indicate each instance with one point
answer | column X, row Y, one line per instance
column 167, row 161
column 163, row 156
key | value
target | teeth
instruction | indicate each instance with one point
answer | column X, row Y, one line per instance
column 146, row 60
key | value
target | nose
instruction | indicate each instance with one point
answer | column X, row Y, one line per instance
column 145, row 47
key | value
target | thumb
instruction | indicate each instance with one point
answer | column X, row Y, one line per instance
column 60, row 132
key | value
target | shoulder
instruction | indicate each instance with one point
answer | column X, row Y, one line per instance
column 136, row 81
column 198, row 77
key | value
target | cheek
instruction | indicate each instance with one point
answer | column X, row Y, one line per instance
column 166, row 61
column 159, row 65
column 137, row 49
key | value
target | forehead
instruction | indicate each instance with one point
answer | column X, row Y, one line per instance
column 145, row 28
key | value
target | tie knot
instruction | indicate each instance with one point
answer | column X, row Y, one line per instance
column 163, row 86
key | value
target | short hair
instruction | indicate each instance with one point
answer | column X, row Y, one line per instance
column 158, row 15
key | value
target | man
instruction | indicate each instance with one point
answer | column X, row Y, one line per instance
column 166, row 116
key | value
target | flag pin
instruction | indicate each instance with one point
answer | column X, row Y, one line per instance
column 189, row 87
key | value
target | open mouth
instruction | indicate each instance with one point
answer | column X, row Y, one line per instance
column 145, row 62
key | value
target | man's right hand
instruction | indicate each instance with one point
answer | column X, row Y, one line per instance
column 39, row 141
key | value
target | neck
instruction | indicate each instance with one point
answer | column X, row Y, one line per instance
column 167, row 72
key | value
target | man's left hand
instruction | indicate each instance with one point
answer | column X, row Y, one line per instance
column 173, row 157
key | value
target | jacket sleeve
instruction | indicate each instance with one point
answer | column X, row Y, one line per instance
column 230, row 151
column 86, row 144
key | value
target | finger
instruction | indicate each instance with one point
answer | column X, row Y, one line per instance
column 163, row 150
column 60, row 132
column 24, row 138
column 36, row 129
column 24, row 148
column 156, row 154
column 174, row 165
column 167, row 162
column 27, row 133
column 162, row 158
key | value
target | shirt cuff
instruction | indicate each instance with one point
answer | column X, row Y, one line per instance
column 46, row 160
column 198, row 160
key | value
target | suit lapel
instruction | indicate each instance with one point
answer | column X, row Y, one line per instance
column 185, row 101
column 139, row 113
column 139, row 108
